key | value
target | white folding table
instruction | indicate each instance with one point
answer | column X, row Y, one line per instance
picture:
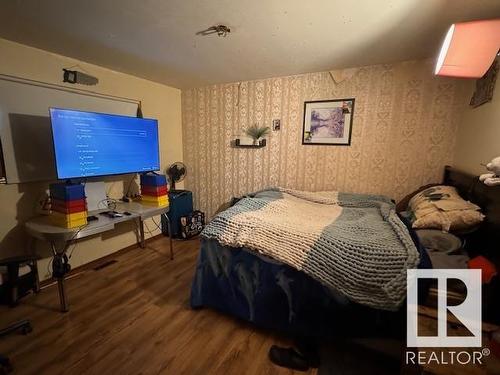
column 59, row 239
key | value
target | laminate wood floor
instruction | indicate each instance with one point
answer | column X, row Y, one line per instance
column 133, row 317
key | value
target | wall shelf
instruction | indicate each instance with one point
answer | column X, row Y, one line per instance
column 236, row 143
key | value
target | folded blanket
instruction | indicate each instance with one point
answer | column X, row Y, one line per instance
column 353, row 243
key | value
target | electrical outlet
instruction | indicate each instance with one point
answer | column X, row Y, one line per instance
column 276, row 124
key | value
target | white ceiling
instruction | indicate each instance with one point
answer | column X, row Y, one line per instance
column 156, row 39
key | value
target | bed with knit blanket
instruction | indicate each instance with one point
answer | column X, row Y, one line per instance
column 298, row 261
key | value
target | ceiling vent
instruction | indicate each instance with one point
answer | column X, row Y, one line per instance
column 220, row 30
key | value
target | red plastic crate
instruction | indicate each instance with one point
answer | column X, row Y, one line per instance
column 155, row 191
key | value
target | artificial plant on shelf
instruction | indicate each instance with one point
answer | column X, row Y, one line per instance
column 256, row 132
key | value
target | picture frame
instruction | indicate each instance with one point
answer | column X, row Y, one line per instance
column 485, row 86
column 328, row 122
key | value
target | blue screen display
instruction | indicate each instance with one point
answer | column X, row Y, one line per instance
column 95, row 144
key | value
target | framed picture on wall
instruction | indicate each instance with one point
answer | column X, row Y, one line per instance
column 485, row 86
column 328, row 122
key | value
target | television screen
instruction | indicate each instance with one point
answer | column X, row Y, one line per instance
column 90, row 144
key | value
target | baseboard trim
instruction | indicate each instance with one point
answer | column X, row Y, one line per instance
column 97, row 262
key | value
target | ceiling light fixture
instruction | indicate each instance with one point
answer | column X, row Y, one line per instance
column 220, row 30
column 469, row 49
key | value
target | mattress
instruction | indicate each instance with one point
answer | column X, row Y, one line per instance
column 270, row 294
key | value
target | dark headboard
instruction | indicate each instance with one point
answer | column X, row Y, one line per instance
column 486, row 240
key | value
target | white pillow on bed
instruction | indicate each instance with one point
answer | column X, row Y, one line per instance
column 441, row 207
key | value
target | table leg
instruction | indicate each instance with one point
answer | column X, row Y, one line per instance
column 34, row 267
column 62, row 294
column 37, row 279
column 170, row 237
column 59, row 269
column 13, row 272
column 142, row 242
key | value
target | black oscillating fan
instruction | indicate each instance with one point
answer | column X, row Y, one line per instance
column 176, row 173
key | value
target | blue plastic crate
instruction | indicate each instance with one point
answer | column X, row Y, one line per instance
column 153, row 180
column 67, row 192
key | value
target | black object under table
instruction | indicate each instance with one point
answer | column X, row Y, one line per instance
column 16, row 283
column 25, row 327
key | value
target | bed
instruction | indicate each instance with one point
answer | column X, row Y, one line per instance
column 258, row 288
column 268, row 293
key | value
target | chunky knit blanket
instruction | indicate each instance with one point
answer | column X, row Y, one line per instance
column 352, row 243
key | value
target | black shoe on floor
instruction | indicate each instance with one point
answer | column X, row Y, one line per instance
column 309, row 351
column 288, row 357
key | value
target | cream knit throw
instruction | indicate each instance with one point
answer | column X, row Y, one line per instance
column 353, row 243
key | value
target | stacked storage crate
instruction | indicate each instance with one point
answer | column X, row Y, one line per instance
column 68, row 205
column 154, row 191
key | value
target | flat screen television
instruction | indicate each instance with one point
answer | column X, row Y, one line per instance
column 88, row 144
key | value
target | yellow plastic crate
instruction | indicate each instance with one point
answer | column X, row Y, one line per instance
column 160, row 199
column 70, row 217
column 74, row 220
column 157, row 204
column 69, row 224
column 163, row 202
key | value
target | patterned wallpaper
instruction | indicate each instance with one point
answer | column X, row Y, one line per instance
column 403, row 133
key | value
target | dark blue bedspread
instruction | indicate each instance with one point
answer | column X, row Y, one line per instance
column 273, row 295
